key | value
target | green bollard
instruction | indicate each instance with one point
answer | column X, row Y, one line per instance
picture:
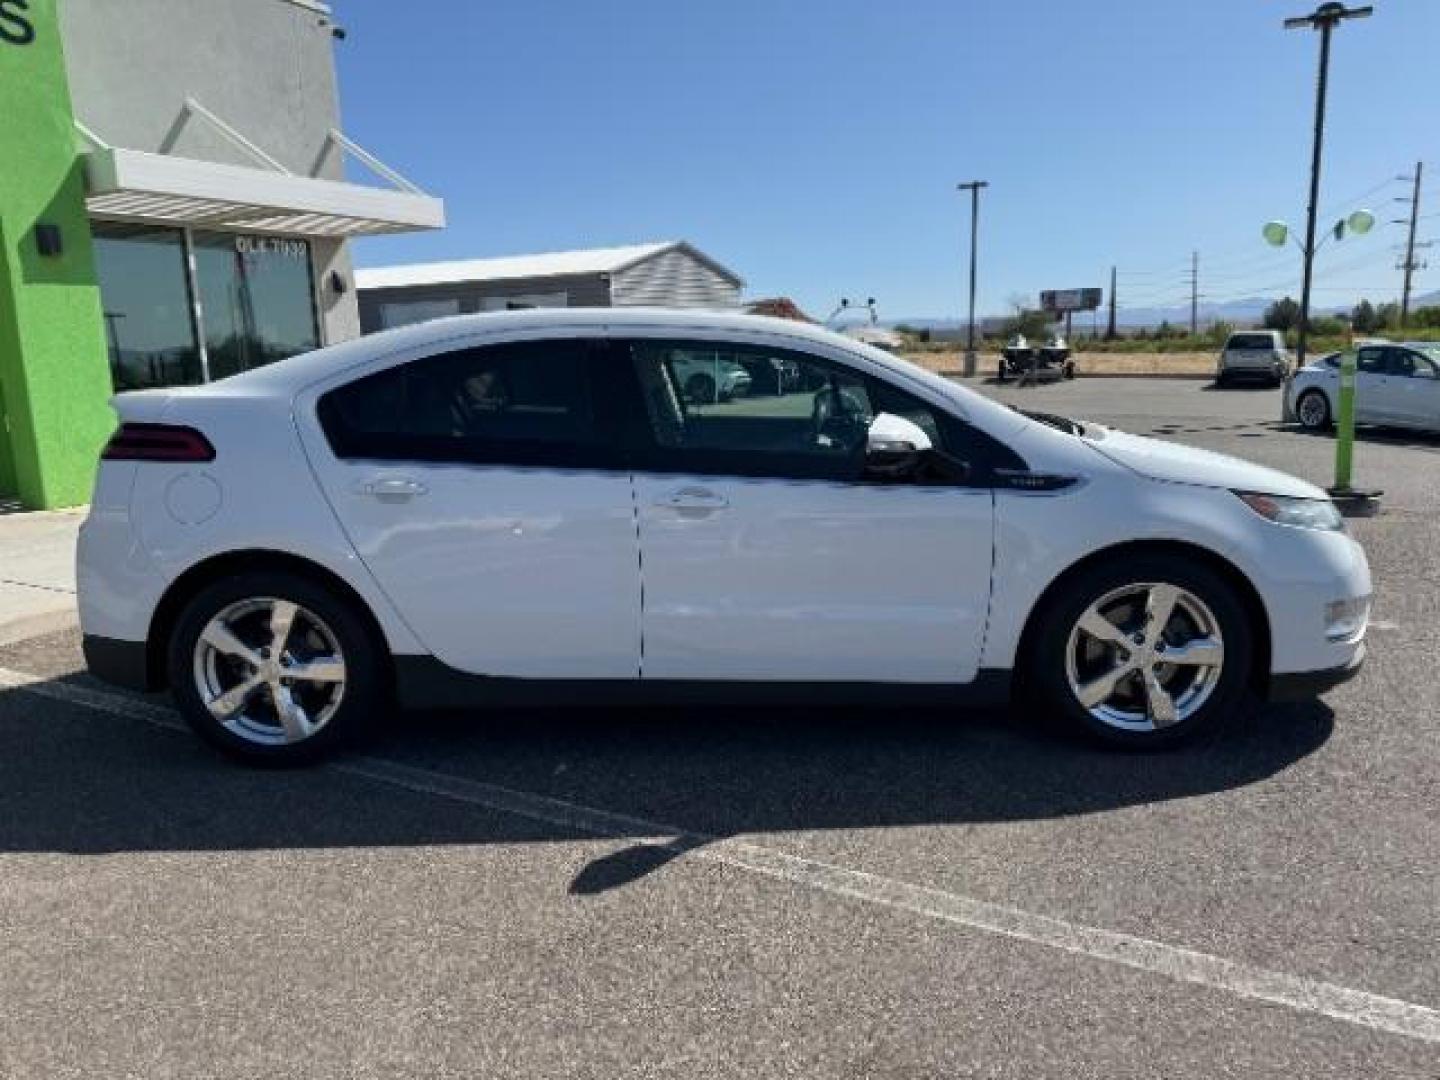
column 1345, row 423
column 1350, row 502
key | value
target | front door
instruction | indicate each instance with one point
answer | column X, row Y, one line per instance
column 483, row 490
column 766, row 554
column 1373, row 404
column 1415, row 393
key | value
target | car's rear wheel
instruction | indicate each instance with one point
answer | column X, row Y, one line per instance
column 1145, row 652
column 273, row 668
column 1313, row 410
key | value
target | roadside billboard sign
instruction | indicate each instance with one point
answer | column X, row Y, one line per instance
column 1064, row 301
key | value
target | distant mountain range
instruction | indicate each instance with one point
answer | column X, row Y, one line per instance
column 1250, row 309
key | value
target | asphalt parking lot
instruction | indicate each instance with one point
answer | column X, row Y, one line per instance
column 770, row 893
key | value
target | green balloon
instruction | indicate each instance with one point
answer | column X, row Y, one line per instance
column 1275, row 233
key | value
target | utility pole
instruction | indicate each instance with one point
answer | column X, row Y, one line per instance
column 1110, row 327
column 973, row 187
column 1324, row 19
column 1409, row 264
column 1194, row 293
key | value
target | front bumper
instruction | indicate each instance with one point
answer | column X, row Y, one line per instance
column 1308, row 685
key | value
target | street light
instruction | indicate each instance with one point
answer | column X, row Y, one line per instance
column 1324, row 19
column 973, row 187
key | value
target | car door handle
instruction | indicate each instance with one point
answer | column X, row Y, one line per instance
column 393, row 488
column 693, row 498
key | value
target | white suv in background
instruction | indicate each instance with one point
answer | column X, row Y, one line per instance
column 1253, row 354
column 527, row 507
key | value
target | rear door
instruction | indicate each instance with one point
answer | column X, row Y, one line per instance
column 768, row 555
column 482, row 487
column 1372, row 385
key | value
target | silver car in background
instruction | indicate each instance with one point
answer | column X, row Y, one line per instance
column 1253, row 354
column 1397, row 384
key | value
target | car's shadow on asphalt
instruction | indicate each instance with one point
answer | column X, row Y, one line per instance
column 1398, row 437
column 75, row 779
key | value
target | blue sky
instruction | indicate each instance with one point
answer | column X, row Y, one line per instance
column 814, row 145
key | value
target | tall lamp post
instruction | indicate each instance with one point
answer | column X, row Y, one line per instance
column 1324, row 19
column 973, row 187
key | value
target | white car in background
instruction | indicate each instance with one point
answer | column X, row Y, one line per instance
column 1253, row 354
column 527, row 508
column 1396, row 385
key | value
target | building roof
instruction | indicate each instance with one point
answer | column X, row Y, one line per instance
column 778, row 307
column 508, row 267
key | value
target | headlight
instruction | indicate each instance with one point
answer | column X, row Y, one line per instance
column 1301, row 513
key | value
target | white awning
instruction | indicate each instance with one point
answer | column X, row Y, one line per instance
column 131, row 185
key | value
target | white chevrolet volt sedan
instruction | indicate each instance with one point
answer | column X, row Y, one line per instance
column 530, row 508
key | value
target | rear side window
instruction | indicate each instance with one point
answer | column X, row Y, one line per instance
column 1251, row 341
column 1371, row 360
column 526, row 403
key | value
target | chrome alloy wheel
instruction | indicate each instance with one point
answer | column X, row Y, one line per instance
column 270, row 671
column 1145, row 656
column 1312, row 410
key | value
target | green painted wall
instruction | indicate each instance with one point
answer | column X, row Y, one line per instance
column 54, row 372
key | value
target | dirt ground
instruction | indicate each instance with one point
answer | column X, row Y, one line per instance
column 1192, row 364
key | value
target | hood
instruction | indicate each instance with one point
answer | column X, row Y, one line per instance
column 1178, row 464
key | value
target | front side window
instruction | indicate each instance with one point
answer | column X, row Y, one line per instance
column 1409, row 365
column 149, row 319
column 527, row 403
column 753, row 411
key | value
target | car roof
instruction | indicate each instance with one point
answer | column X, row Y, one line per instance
column 290, row 375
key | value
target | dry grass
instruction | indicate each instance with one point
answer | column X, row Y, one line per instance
column 1202, row 363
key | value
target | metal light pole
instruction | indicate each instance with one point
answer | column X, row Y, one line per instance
column 1324, row 18
column 973, row 187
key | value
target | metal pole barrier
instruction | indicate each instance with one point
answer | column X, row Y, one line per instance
column 1345, row 423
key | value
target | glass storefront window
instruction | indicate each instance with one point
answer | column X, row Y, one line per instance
column 409, row 312
column 149, row 323
column 256, row 300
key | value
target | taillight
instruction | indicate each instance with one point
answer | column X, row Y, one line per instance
column 157, row 442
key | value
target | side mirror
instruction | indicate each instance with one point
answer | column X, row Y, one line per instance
column 894, row 447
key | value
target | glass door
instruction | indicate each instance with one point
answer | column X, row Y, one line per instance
column 257, row 297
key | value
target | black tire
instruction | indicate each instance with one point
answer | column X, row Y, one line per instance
column 1045, row 678
column 1222, row 381
column 1069, row 371
column 363, row 655
column 1320, row 414
column 700, row 390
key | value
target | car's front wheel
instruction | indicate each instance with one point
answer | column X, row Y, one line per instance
column 1144, row 652
column 1313, row 410
column 274, row 668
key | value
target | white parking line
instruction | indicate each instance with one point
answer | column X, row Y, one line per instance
column 1173, row 962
